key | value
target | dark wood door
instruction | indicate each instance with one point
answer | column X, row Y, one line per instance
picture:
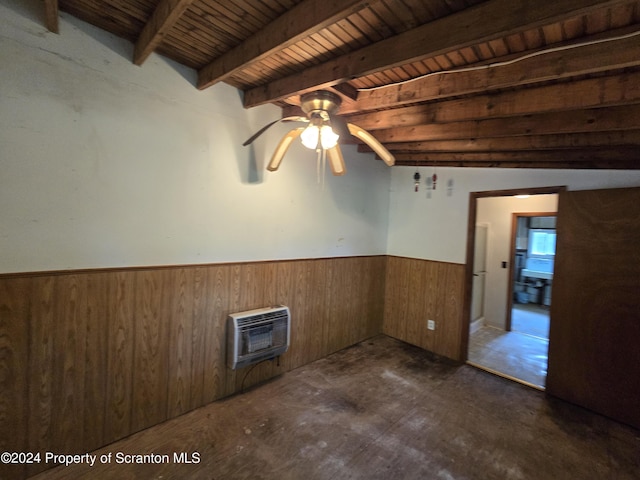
column 594, row 338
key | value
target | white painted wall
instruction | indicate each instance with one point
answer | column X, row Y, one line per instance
column 433, row 225
column 106, row 164
column 496, row 212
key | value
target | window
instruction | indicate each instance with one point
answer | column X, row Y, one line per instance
column 542, row 243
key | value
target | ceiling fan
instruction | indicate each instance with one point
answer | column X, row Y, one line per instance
column 322, row 132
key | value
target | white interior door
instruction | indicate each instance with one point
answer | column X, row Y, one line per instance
column 479, row 272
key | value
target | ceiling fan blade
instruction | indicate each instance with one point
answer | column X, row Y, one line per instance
column 282, row 148
column 251, row 139
column 375, row 145
column 259, row 132
column 336, row 161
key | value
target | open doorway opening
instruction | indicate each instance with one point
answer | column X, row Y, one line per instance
column 533, row 247
column 510, row 335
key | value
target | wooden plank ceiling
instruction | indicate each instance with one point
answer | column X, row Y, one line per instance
column 494, row 83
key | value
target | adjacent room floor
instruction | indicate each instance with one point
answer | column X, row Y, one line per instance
column 381, row 410
column 522, row 353
column 530, row 319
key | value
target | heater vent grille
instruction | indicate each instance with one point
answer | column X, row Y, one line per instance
column 257, row 335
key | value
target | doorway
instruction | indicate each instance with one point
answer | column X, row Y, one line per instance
column 512, row 340
column 533, row 249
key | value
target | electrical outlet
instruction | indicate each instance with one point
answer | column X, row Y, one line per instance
column 431, row 325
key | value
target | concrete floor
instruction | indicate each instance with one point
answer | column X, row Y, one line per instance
column 381, row 410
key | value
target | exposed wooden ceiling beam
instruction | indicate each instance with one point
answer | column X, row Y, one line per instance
column 528, row 142
column 347, row 90
column 601, row 57
column 51, row 15
column 595, row 92
column 505, row 73
column 614, row 158
column 301, row 21
column 164, row 17
column 571, row 121
column 481, row 23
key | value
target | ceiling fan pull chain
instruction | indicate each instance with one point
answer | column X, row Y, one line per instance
column 324, row 166
column 321, row 166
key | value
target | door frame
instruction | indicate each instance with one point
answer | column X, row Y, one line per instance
column 486, row 227
column 468, row 273
column 512, row 256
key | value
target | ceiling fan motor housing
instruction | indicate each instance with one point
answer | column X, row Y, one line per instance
column 320, row 101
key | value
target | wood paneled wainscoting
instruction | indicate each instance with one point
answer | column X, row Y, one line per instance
column 89, row 357
column 420, row 290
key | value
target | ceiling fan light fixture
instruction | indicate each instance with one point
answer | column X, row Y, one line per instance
column 328, row 138
column 309, row 137
column 322, row 133
column 319, row 136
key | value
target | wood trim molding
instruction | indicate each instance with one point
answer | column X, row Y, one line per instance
column 75, row 271
column 423, row 259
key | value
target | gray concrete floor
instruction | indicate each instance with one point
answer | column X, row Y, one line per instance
column 381, row 410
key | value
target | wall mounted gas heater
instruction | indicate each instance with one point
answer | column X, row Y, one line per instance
column 257, row 335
